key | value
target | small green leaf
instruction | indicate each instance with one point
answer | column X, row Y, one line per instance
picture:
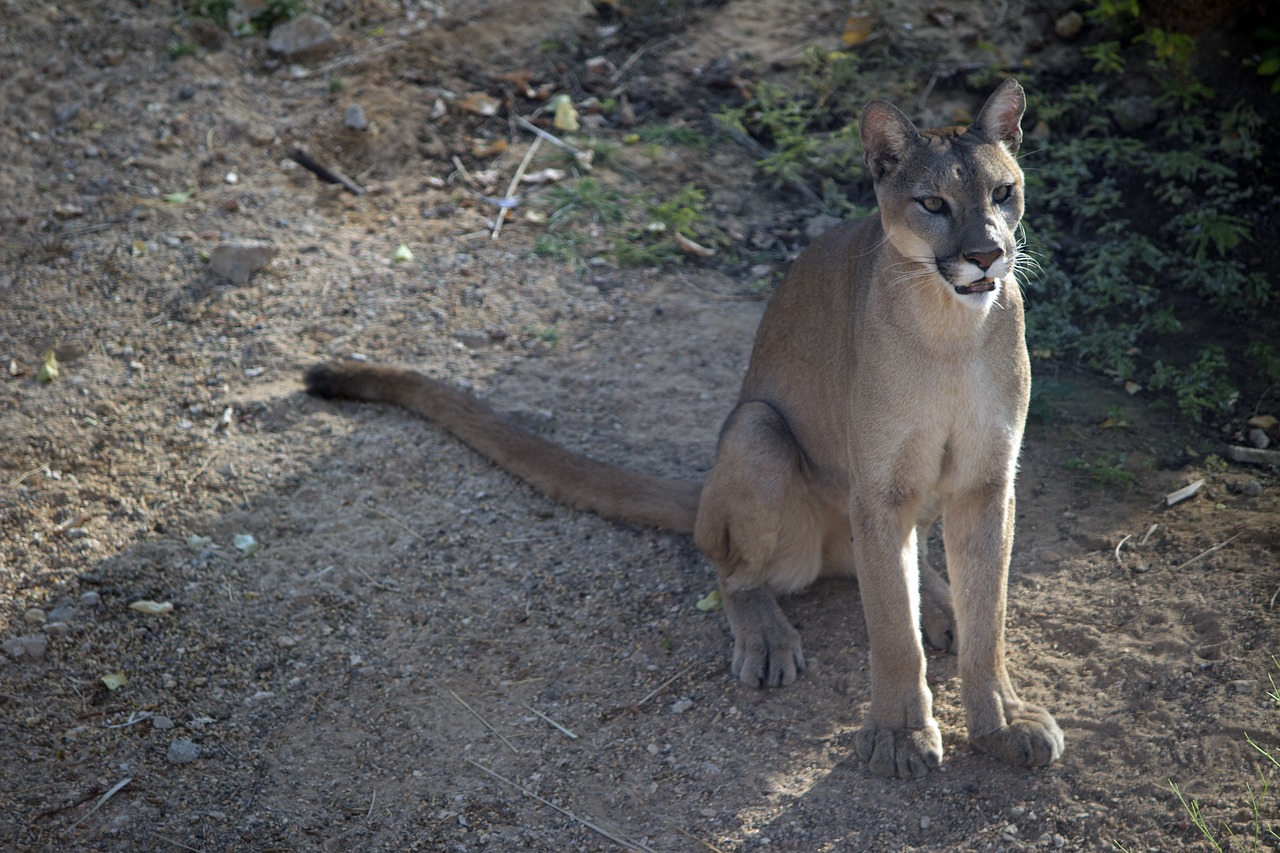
column 48, row 370
column 402, row 255
column 1269, row 66
column 115, row 680
column 180, row 198
column 245, row 544
column 710, row 602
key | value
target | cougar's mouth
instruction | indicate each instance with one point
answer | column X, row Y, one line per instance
column 982, row 285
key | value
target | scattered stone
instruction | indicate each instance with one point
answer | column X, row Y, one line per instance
column 1069, row 26
column 236, row 260
column 1048, row 555
column 1259, row 438
column 161, row 722
column 62, row 613
column 306, row 33
column 1135, row 113
column 91, row 599
column 1251, row 489
column 925, row 823
column 285, row 641
column 1253, row 455
column 183, row 751
column 681, row 706
column 57, row 629
column 26, row 648
column 1245, row 685
column 35, row 616
column 355, row 118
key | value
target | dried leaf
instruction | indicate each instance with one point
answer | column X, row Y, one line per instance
column 544, row 176
column 1263, row 421
column 566, row 116
column 488, row 147
column 689, row 247
column 710, row 602
column 479, row 103
column 244, row 542
column 152, row 608
column 180, row 198
column 115, row 680
column 402, row 256
column 857, row 29
column 48, row 370
column 199, row 543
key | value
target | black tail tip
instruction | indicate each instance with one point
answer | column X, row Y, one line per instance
column 321, row 380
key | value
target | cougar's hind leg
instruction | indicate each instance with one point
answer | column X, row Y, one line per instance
column 937, row 615
column 758, row 527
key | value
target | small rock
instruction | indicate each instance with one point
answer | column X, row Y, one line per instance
column 306, row 33
column 183, row 751
column 819, row 225
column 925, row 822
column 57, row 629
column 1251, row 489
column 90, row 599
column 681, row 706
column 285, row 641
column 472, row 339
column 1059, row 841
column 355, row 118
column 1068, row 26
column 236, row 260
column 35, row 616
column 62, row 613
column 1135, row 113
column 1048, row 555
column 1259, row 438
column 26, row 648
column 1245, row 685
column 161, row 722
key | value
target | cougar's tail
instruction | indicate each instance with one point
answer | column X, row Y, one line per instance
column 570, row 478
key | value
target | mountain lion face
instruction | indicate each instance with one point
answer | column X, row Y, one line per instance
column 950, row 201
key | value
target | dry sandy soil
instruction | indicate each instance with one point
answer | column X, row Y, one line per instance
column 384, row 671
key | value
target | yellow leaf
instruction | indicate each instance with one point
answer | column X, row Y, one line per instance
column 857, row 29
column 115, row 680
column 566, row 115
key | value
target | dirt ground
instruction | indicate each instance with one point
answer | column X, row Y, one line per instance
column 422, row 653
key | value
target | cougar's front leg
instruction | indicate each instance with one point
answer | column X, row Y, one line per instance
column 900, row 737
column 978, row 531
column 747, row 505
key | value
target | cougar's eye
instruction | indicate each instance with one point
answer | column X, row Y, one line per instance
column 1002, row 193
column 933, row 204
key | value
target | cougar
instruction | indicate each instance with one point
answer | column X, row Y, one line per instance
column 888, row 386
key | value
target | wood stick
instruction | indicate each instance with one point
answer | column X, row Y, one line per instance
column 111, row 792
column 325, row 173
column 515, row 182
column 484, row 722
column 563, row 730
column 594, row 827
column 1209, row 551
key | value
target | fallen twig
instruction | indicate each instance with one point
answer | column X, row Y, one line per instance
column 693, row 837
column 1118, row 547
column 594, row 827
column 111, row 792
column 325, row 173
column 664, row 685
column 554, row 140
column 1209, row 551
column 515, row 182
column 484, row 722
column 562, row 729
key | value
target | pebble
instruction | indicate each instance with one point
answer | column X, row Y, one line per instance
column 304, row 34
column 90, row 599
column 1069, row 25
column 183, row 751
column 355, row 118
column 1259, row 438
column 35, row 616
column 161, row 722
column 1251, row 489
column 57, row 629
column 1050, row 556
column 236, row 260
column 31, row 648
column 62, row 613
column 1245, row 685
column 925, row 823
column 681, row 706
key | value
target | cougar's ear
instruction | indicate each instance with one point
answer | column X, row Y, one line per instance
column 1001, row 117
column 886, row 135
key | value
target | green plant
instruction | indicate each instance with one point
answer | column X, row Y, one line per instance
column 179, row 49
column 1202, row 387
column 586, row 198
column 657, row 241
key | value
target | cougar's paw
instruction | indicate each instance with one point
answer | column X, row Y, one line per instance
column 768, row 654
column 905, row 753
column 1030, row 738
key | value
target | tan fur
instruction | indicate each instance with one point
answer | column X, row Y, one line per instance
column 888, row 386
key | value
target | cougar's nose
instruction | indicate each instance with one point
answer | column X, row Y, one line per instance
column 983, row 260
